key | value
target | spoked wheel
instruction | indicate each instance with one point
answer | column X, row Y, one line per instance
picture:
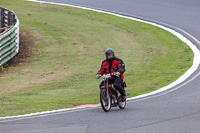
column 105, row 101
column 122, row 105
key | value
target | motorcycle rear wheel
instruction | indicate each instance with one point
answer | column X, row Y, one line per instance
column 122, row 105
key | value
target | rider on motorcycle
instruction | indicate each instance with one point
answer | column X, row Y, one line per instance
column 112, row 64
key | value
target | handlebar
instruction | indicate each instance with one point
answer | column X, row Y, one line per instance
column 107, row 76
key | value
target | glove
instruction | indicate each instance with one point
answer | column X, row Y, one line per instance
column 117, row 74
column 98, row 76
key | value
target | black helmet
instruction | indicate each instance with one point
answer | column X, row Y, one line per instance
column 109, row 52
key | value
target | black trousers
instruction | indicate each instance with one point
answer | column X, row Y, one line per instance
column 117, row 83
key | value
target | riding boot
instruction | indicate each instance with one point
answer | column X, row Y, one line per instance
column 124, row 98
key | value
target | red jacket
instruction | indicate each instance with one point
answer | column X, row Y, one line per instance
column 111, row 66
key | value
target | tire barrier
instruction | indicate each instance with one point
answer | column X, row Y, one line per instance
column 9, row 35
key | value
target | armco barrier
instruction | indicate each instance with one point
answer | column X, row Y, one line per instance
column 9, row 35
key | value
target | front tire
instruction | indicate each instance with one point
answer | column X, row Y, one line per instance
column 105, row 100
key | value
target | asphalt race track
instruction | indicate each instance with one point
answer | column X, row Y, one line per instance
column 176, row 110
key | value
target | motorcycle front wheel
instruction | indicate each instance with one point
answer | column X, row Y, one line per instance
column 105, row 100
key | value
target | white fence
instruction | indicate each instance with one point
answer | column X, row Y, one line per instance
column 9, row 35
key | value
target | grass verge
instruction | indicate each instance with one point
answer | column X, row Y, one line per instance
column 70, row 46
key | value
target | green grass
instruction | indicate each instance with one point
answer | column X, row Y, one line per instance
column 70, row 46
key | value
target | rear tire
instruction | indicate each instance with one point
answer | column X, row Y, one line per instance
column 105, row 101
column 122, row 105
